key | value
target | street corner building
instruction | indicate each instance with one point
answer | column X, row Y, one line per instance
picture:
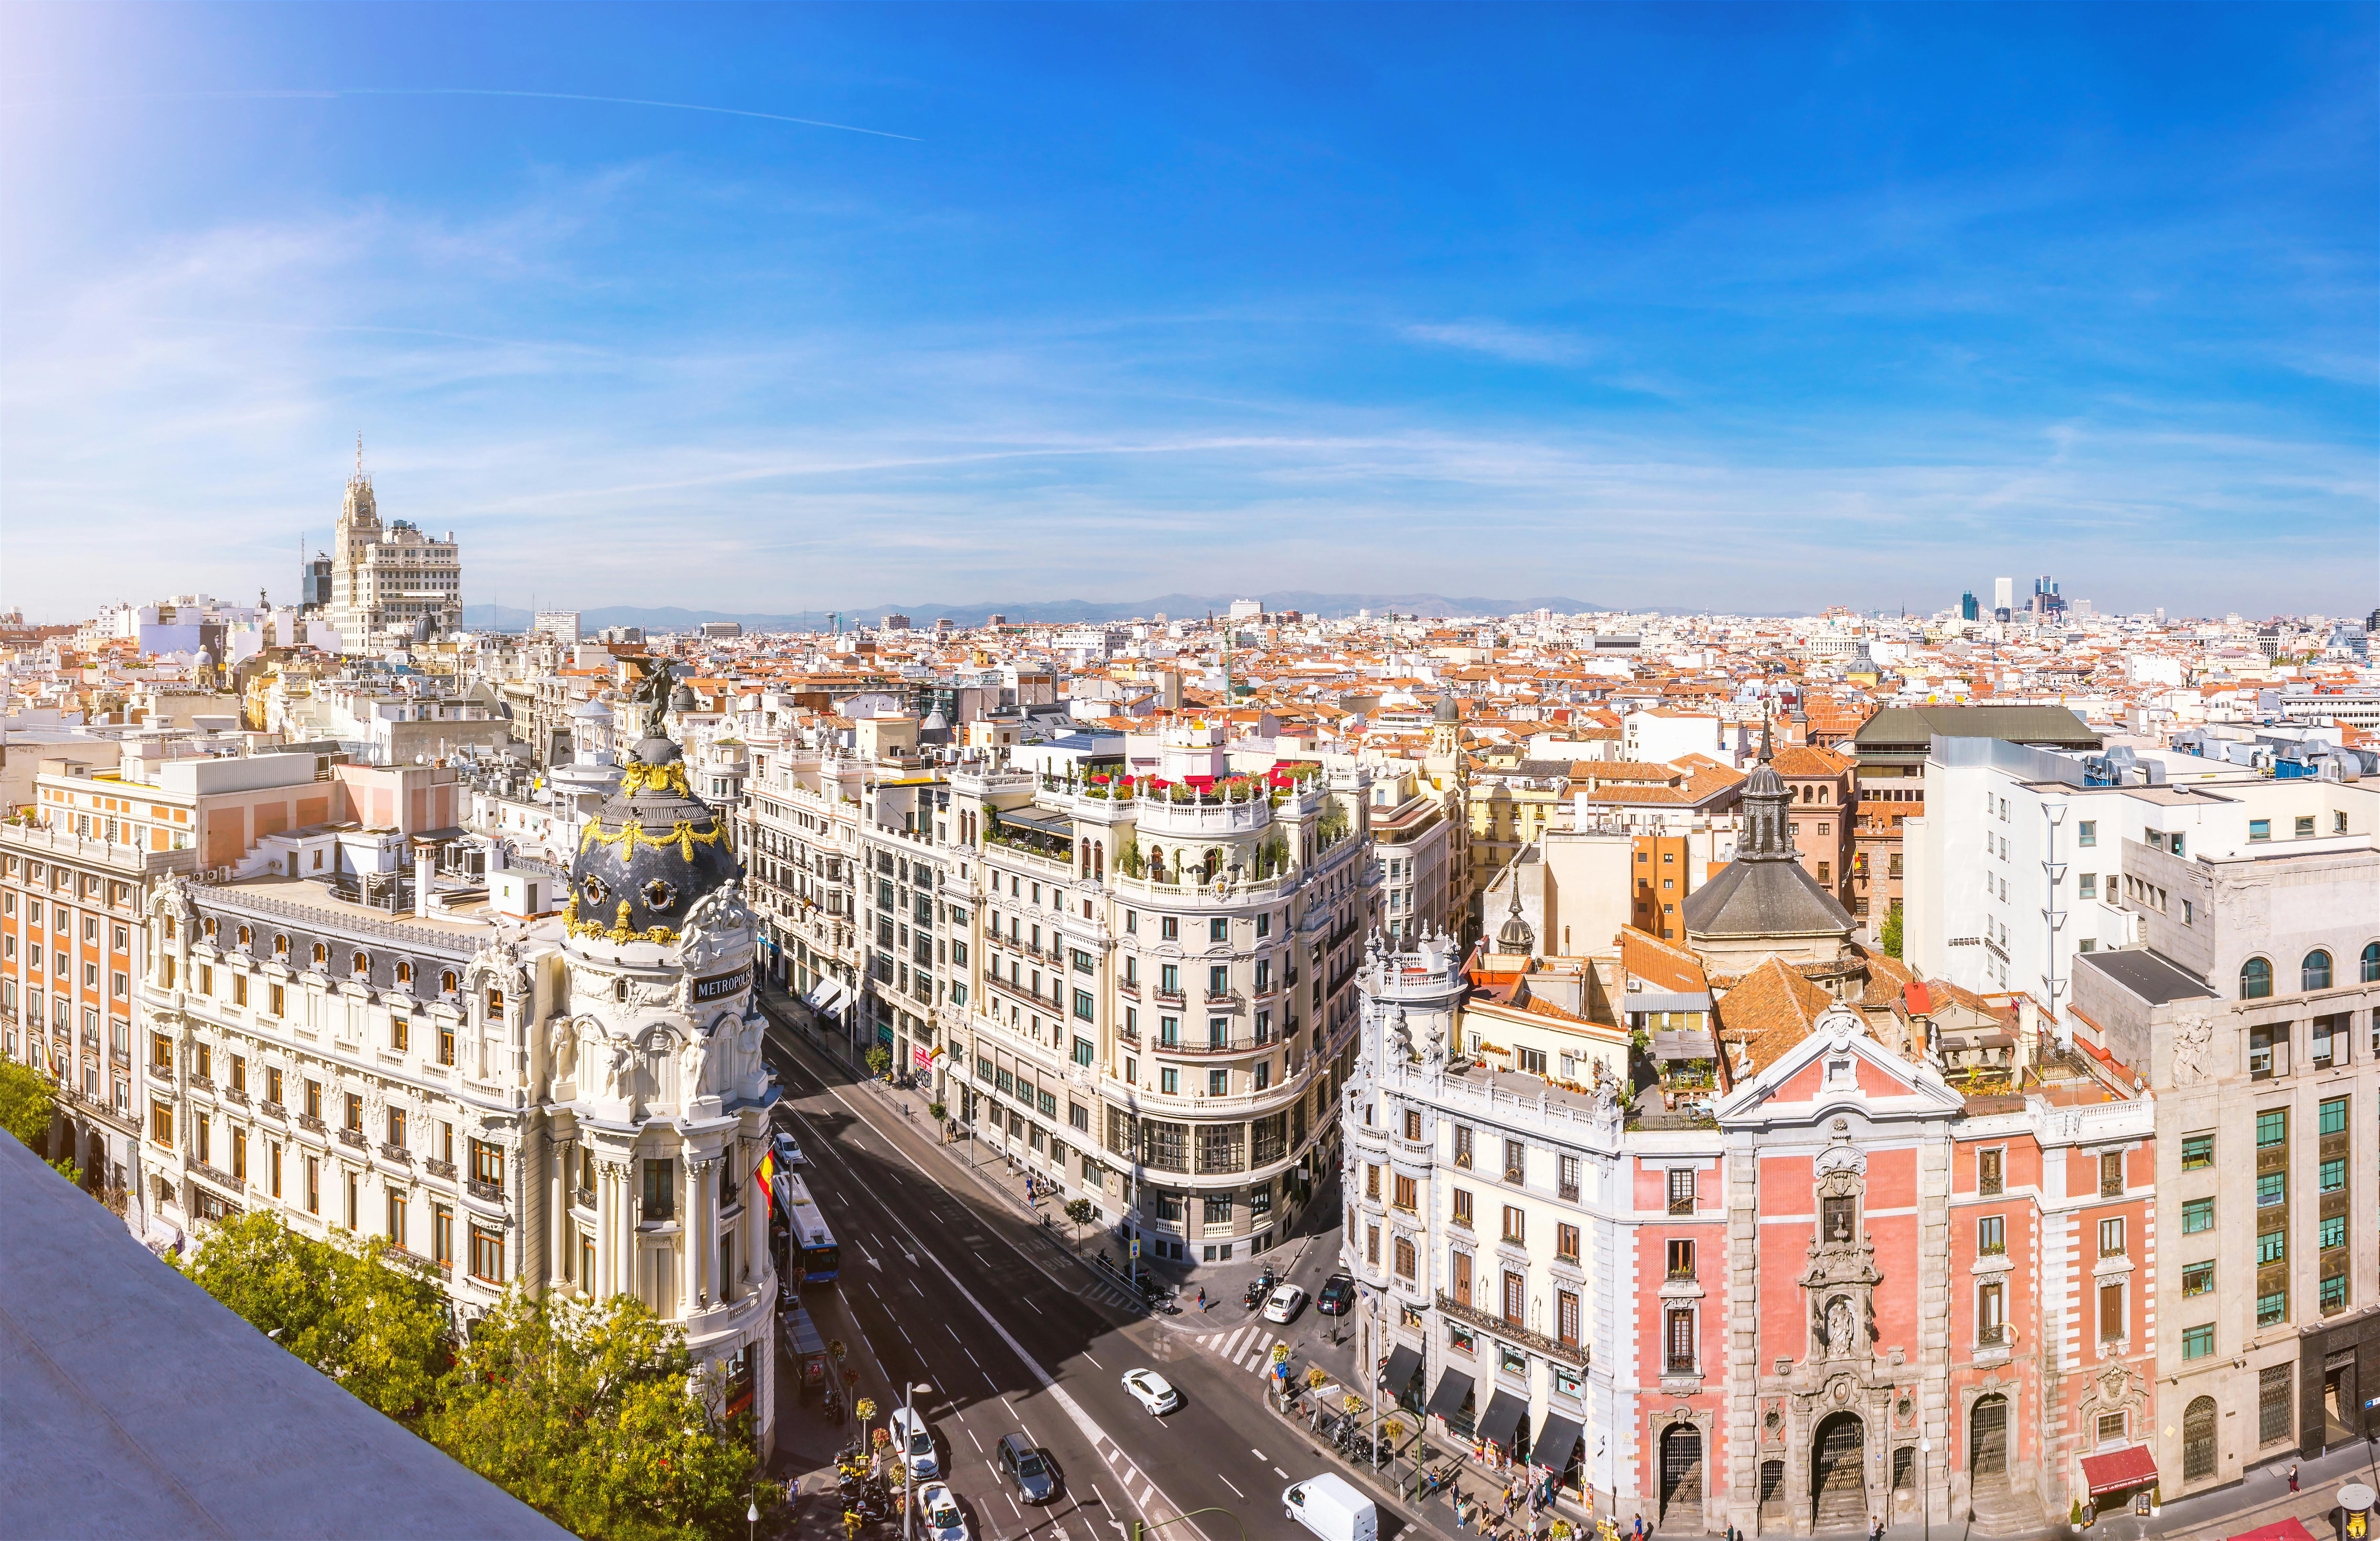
column 1714, row 1237
column 519, row 1077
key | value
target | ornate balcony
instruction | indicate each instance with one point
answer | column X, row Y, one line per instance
column 492, row 1191
column 1570, row 1353
column 354, row 1138
column 437, row 1168
column 307, row 1121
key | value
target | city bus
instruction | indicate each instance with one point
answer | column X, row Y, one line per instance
column 806, row 1248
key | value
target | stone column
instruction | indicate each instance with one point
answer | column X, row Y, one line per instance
column 701, row 1232
column 689, row 1256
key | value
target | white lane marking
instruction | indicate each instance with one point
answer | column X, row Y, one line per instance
column 1232, row 1345
column 1279, row 1472
column 1011, row 1406
column 955, row 1334
column 970, row 1353
column 1257, row 1453
column 1095, row 1364
column 1227, row 1482
column 1092, row 1434
column 1026, row 1302
column 973, row 1441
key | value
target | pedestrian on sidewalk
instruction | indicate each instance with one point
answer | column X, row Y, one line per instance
column 2293, row 1476
column 1461, row 1512
column 1875, row 1529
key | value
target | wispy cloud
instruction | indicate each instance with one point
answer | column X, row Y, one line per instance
column 1518, row 344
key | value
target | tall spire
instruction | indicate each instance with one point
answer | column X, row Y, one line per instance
column 359, row 455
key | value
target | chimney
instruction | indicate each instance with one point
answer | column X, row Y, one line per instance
column 424, row 854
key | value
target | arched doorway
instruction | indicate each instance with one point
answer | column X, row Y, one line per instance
column 1838, row 1475
column 1682, row 1478
column 2198, row 1440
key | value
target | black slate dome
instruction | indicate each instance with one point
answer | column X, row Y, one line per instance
column 654, row 849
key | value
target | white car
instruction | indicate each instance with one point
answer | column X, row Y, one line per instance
column 1285, row 1304
column 937, row 1514
column 916, row 1442
column 789, row 1150
column 1152, row 1390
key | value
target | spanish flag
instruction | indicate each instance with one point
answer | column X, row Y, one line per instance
column 768, row 1174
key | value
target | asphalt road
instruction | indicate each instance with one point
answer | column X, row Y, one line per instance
column 947, row 1289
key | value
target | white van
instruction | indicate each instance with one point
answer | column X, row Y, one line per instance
column 916, row 1442
column 1332, row 1508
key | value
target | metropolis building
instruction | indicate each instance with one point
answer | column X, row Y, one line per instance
column 509, row 1096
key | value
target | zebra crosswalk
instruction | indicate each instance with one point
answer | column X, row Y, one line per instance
column 1111, row 1295
column 1249, row 1348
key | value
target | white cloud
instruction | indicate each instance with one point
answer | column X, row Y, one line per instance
column 1520, row 344
column 175, row 418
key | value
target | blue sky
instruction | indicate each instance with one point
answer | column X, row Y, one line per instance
column 1764, row 308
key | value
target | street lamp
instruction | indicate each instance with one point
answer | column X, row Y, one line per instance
column 908, row 1457
column 1924, row 1497
column 752, row 1514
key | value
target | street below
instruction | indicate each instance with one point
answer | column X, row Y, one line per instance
column 947, row 1284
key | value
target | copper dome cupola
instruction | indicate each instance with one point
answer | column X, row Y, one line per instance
column 654, row 848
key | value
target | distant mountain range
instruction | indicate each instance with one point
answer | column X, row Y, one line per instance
column 1172, row 606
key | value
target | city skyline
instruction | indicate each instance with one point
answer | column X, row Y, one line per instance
column 1732, row 311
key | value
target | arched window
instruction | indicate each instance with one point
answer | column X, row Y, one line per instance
column 2314, row 973
column 244, row 935
column 280, row 946
column 2370, row 962
column 2198, row 1440
column 446, row 981
column 320, row 955
column 405, row 974
column 210, row 927
column 361, row 964
column 2256, row 979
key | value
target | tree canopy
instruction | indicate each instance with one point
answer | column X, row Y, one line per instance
column 27, row 1108
column 593, row 1414
column 589, row 1413
column 377, row 1326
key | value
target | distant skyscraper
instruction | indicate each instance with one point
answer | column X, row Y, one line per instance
column 1970, row 608
column 314, row 584
column 2004, row 593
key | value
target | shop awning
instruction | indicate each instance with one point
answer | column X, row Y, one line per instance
column 1404, row 1363
column 2120, row 1471
column 2280, row 1530
column 1502, row 1419
column 1453, row 1389
column 1555, row 1442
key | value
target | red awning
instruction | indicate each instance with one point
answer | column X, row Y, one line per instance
column 2284, row 1530
column 2120, row 1471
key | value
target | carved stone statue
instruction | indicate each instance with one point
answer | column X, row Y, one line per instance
column 1400, row 1036
column 747, row 1049
column 616, row 1070
column 1842, row 1327
column 692, row 1060
column 2192, row 1037
column 566, row 1050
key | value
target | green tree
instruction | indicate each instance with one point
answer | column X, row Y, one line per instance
column 27, row 1107
column 879, row 1060
column 1891, row 935
column 377, row 1326
column 588, row 1414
